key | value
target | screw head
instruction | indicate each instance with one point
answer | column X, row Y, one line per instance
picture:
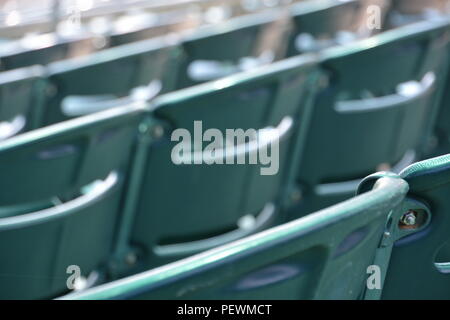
column 409, row 218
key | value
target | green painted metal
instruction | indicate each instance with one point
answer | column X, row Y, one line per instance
column 61, row 197
column 96, row 82
column 208, row 211
column 362, row 120
column 413, row 272
column 394, row 229
column 122, row 248
column 322, row 256
column 20, row 90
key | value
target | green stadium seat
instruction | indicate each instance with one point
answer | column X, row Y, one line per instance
column 96, row 82
column 376, row 113
column 321, row 24
column 216, row 51
column 43, row 49
column 419, row 266
column 60, row 200
column 20, row 100
column 184, row 209
column 404, row 12
column 323, row 256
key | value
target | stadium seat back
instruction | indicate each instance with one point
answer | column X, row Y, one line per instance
column 198, row 206
column 44, row 49
column 419, row 266
column 376, row 111
column 95, row 82
column 335, row 17
column 403, row 12
column 62, row 199
column 323, row 256
column 48, row 241
column 20, row 100
column 72, row 158
column 213, row 52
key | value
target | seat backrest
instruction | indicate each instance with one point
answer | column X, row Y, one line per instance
column 20, row 100
column 215, row 51
column 323, row 256
column 193, row 207
column 92, row 83
column 419, row 266
column 376, row 110
column 403, row 12
column 44, row 49
column 153, row 30
column 339, row 21
column 61, row 193
column 418, row 6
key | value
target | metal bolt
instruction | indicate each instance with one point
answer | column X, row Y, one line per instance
column 409, row 218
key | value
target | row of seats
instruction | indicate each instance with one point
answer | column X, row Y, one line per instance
column 325, row 255
column 108, row 17
column 48, row 47
column 110, row 184
column 205, row 55
column 78, row 86
column 106, row 24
